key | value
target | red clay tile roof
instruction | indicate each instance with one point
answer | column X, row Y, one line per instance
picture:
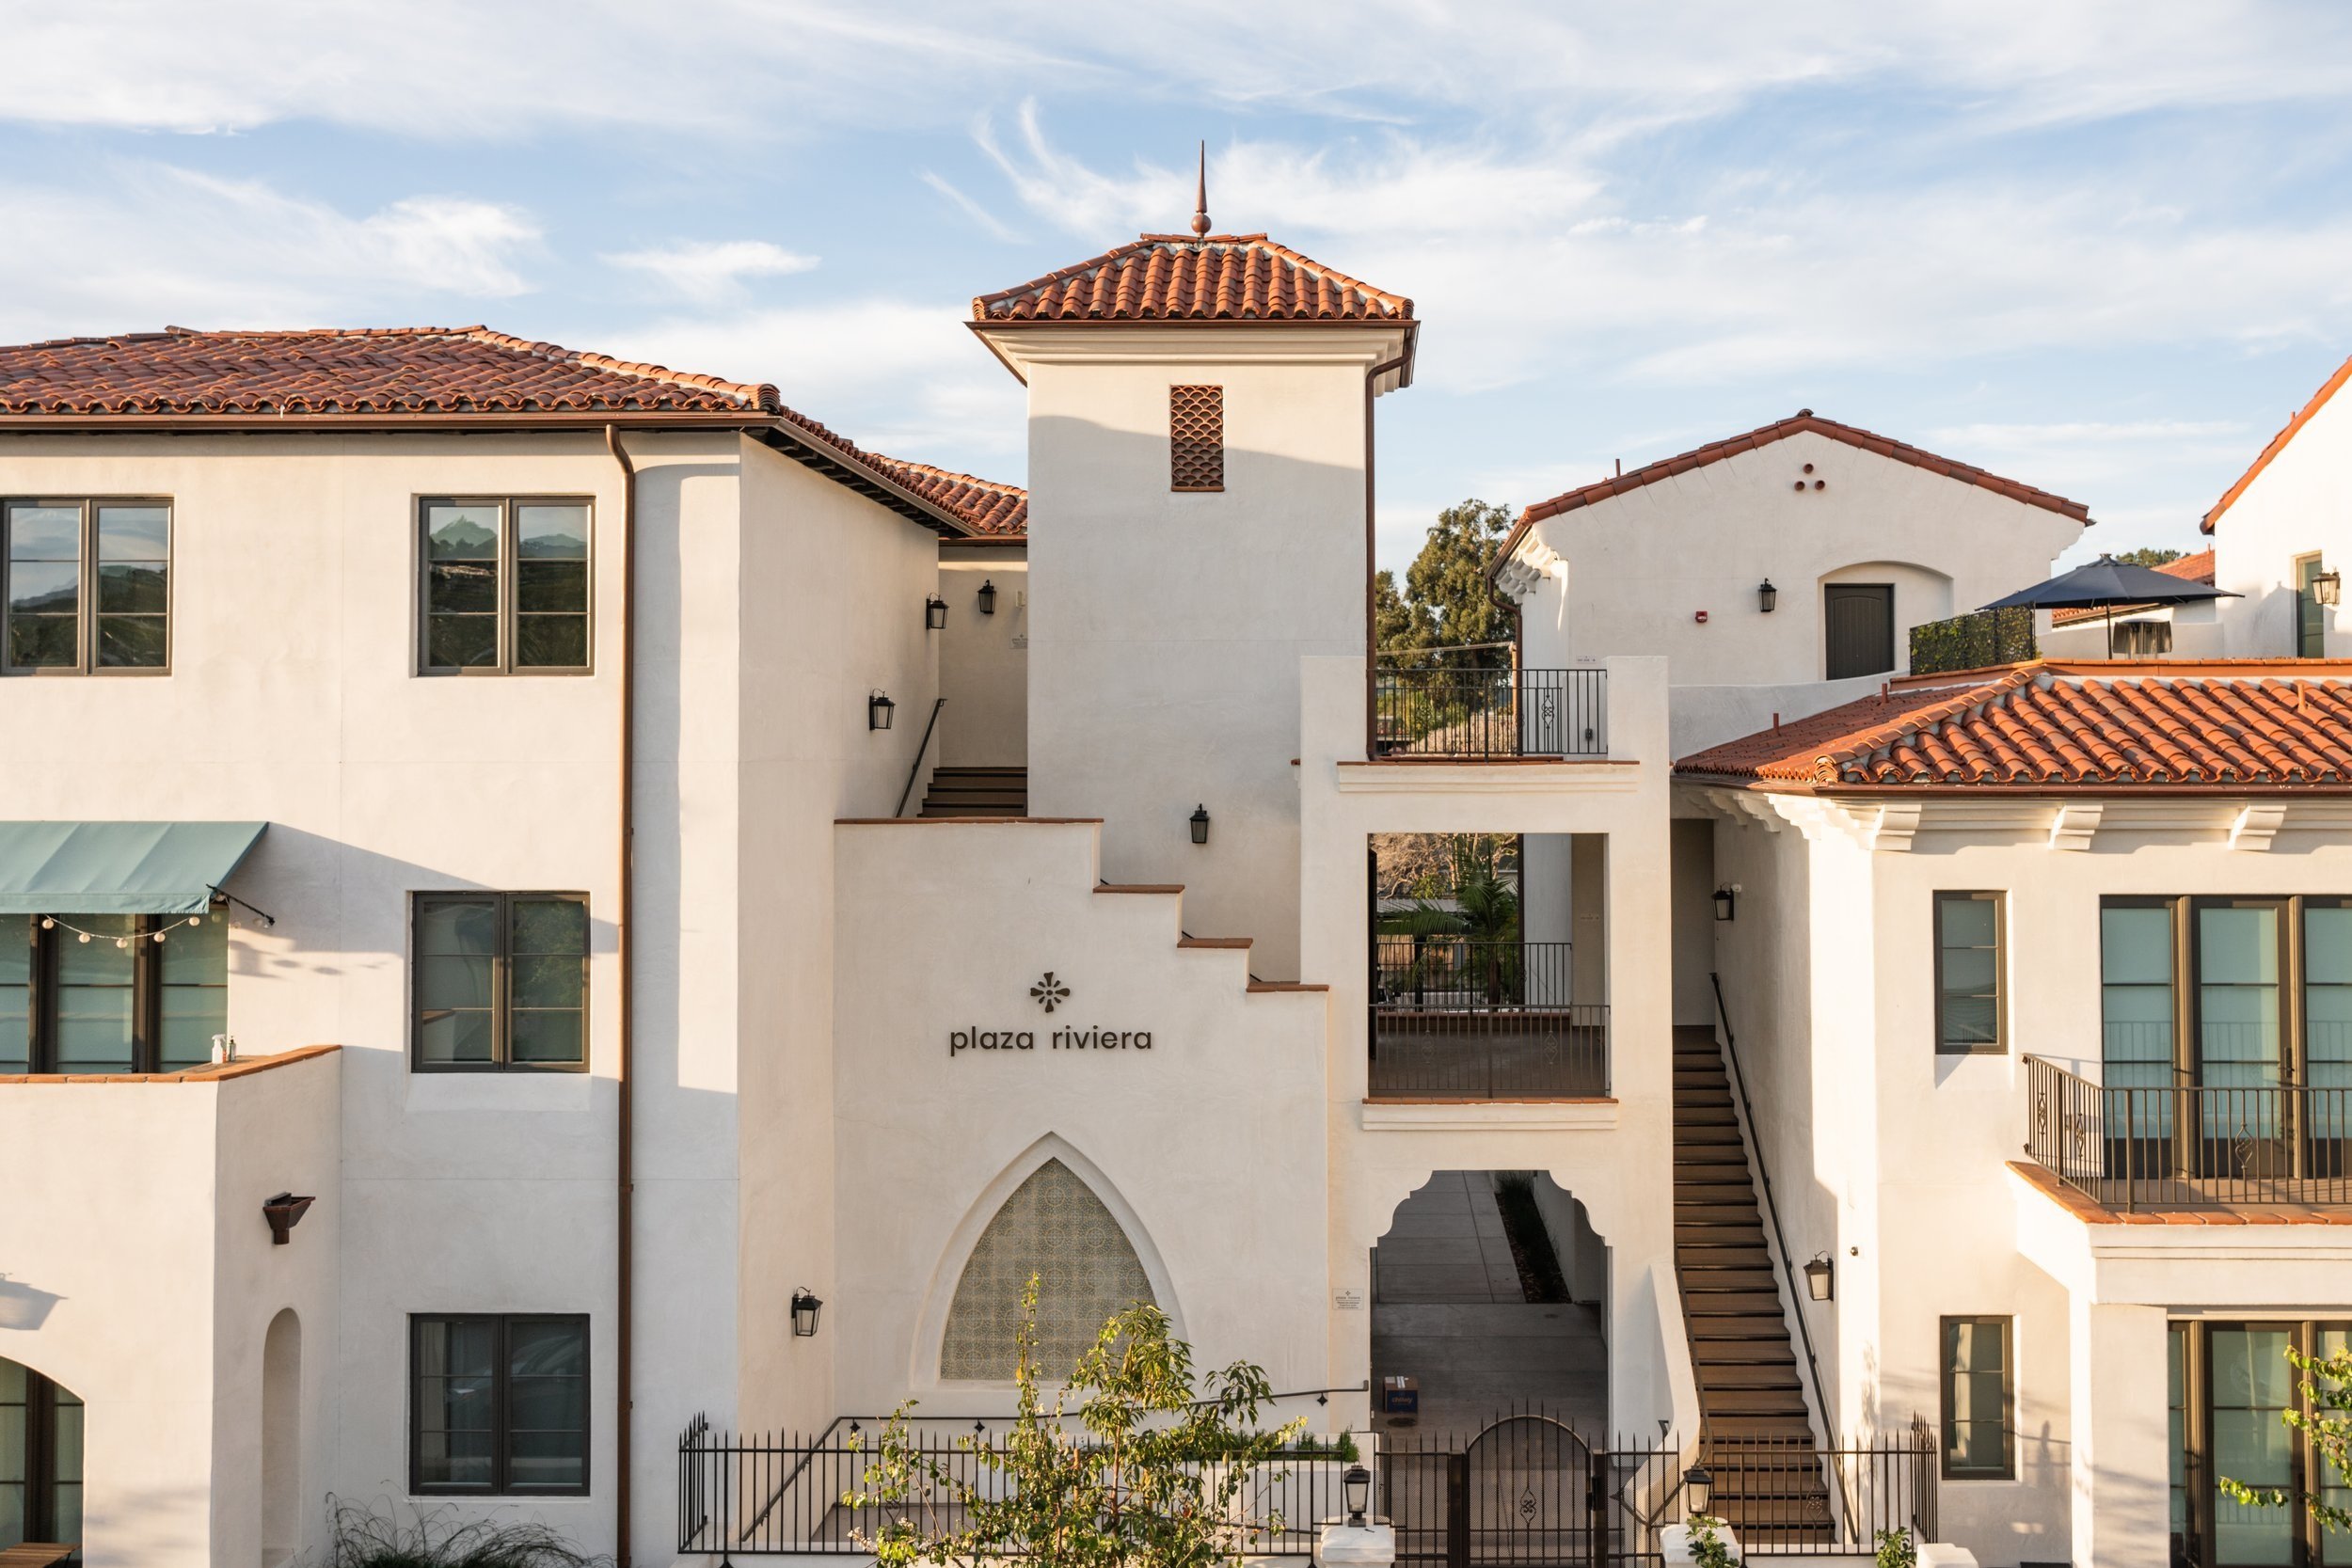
column 1178, row 278
column 419, row 370
column 2067, row 724
column 987, row 508
column 2189, row 568
column 1804, row 420
column 2278, row 443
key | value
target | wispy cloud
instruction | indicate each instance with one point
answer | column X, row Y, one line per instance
column 973, row 210
column 710, row 271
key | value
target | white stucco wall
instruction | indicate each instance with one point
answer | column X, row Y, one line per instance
column 984, row 659
column 1635, row 569
column 144, row 1282
column 1209, row 1146
column 2299, row 504
column 1165, row 629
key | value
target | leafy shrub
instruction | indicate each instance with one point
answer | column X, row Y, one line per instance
column 1897, row 1549
column 1973, row 641
column 364, row 1539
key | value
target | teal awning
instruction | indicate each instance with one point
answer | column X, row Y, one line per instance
column 117, row 867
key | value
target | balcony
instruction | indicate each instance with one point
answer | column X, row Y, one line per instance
column 1461, row 1019
column 2190, row 1144
column 1423, row 705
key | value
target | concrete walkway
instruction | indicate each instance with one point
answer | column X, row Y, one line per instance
column 1447, row 1309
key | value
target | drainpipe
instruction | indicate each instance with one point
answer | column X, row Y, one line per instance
column 625, row 1136
column 1371, row 591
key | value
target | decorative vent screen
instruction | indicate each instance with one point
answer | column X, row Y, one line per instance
column 1196, row 438
column 1054, row 1226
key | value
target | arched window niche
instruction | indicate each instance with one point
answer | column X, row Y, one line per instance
column 1054, row 1224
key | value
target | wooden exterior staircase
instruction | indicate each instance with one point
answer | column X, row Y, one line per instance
column 978, row 792
column 1756, row 1435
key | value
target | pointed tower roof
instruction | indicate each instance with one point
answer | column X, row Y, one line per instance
column 1207, row 277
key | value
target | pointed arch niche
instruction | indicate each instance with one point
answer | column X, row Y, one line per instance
column 1054, row 1213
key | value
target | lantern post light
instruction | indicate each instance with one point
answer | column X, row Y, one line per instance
column 1698, row 1490
column 934, row 613
column 805, row 1307
column 1356, row 1484
column 878, row 711
column 1766, row 596
column 1726, row 896
column 988, row 596
column 1200, row 824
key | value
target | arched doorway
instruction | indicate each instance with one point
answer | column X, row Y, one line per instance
column 1487, row 1292
column 41, row 1458
column 281, row 1440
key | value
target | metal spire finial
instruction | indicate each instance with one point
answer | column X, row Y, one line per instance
column 1200, row 198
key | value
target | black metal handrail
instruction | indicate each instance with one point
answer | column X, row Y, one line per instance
column 1772, row 1212
column 1788, row 1496
column 2191, row 1143
column 1473, row 1019
column 914, row 769
column 1458, row 974
column 1481, row 714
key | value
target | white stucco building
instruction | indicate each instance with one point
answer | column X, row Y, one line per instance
column 690, row 914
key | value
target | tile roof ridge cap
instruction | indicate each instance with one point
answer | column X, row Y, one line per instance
column 1075, row 269
column 995, row 485
column 762, row 395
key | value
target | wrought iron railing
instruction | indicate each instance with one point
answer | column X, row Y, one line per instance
column 766, row 1495
column 1482, row 714
column 1457, row 1018
column 2191, row 1144
column 1787, row 1495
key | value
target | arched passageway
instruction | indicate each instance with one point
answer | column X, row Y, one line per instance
column 1488, row 1293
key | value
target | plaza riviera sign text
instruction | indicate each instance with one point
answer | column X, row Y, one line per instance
column 1049, row 994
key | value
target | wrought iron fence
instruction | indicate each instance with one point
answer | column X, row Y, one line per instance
column 1458, row 1017
column 1785, row 1495
column 1528, row 1489
column 2191, row 1144
column 1475, row 713
column 1973, row 641
column 766, row 1495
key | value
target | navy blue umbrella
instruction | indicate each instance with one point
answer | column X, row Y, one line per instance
column 2107, row 583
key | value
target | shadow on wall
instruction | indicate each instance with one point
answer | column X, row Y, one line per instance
column 24, row 1306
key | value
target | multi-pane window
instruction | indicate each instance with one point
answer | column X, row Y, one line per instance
column 2236, row 1022
column 1196, row 438
column 1979, row 1391
column 2233, row 1386
column 499, row 1403
column 111, row 992
column 89, row 586
column 505, row 585
column 41, row 1458
column 1968, row 973
column 500, row 980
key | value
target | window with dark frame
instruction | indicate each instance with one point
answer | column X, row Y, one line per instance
column 500, row 982
column 1968, row 964
column 498, row 1404
column 2226, row 992
column 88, row 587
column 41, row 1458
column 1980, row 1398
column 86, row 993
column 505, row 585
column 2231, row 1391
column 1196, row 438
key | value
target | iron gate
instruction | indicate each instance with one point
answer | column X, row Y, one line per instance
column 1526, row 1490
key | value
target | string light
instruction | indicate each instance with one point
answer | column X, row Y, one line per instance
column 50, row 923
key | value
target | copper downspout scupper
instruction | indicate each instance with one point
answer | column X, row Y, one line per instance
column 625, row 1136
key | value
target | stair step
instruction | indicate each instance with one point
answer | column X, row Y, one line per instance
column 1715, row 1114
column 1714, row 1132
column 1734, row 1304
column 1745, row 1352
column 1730, row 1195
column 1734, row 1424
column 1716, row 1211
column 1760, row 1377
column 1703, row 1278
column 1752, row 1402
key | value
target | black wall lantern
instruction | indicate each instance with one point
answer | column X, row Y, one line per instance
column 1725, row 897
column 988, row 596
column 1820, row 1279
column 1357, row 1486
column 934, row 613
column 805, row 1309
column 878, row 711
column 284, row 1211
column 1766, row 596
column 2327, row 587
column 1698, row 1490
column 1200, row 824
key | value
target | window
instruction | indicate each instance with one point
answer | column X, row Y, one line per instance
column 1968, row 974
column 498, row 1404
column 41, row 1458
column 1196, row 438
column 2143, row 639
column 111, row 992
column 1859, row 622
column 500, row 980
column 1055, row 1228
column 2232, row 1388
column 88, row 587
column 505, row 586
column 1978, row 1393
column 2311, row 616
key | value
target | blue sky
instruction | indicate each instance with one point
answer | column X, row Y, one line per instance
column 2101, row 248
